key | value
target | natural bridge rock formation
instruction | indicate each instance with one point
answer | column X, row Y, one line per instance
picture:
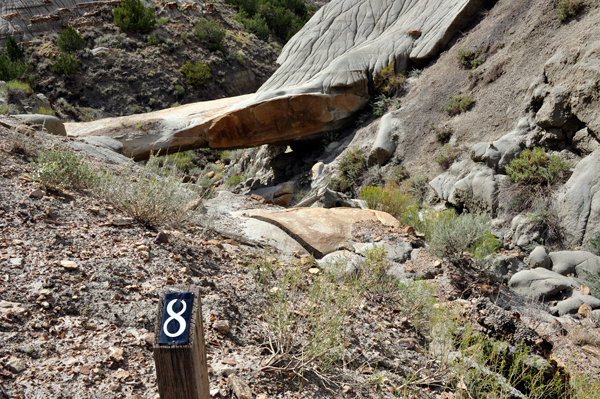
column 325, row 76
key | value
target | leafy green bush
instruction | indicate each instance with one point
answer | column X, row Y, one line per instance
column 63, row 170
column 537, row 168
column 391, row 199
column 132, row 16
column 196, row 75
column 163, row 21
column 351, row 166
column 70, row 40
column 568, row 8
column 179, row 91
column 258, row 26
column 283, row 18
column 210, row 34
column 235, row 180
column 452, row 235
column 458, row 104
column 182, row 161
column 18, row 90
column 65, row 64
column 13, row 49
column 388, row 82
column 10, row 70
column 45, row 111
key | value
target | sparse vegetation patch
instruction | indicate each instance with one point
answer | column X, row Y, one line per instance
column 458, row 104
column 568, row 8
column 351, row 166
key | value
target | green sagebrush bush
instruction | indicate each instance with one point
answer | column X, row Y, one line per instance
column 388, row 82
column 535, row 167
column 452, row 235
column 63, row 170
column 458, row 104
column 70, row 40
column 469, row 59
column 132, row 16
column 391, row 199
column 210, row 34
column 568, row 8
column 196, row 75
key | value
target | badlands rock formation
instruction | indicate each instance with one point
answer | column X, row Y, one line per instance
column 325, row 76
column 25, row 19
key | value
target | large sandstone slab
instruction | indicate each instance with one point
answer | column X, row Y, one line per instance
column 225, row 213
column 320, row 231
column 235, row 122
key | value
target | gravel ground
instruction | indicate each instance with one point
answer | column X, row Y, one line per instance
column 80, row 287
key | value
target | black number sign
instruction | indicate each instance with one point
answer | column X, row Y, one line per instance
column 176, row 316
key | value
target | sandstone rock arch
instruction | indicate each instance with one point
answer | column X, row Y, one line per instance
column 325, row 75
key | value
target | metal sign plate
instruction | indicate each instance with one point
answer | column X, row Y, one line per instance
column 176, row 317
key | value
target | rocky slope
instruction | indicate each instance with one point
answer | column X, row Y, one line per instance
column 533, row 82
column 125, row 73
column 81, row 282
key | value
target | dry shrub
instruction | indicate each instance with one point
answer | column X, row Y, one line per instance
column 391, row 199
column 153, row 195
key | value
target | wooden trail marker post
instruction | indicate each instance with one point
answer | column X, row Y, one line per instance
column 179, row 352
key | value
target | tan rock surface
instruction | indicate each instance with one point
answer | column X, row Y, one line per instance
column 228, row 123
column 321, row 231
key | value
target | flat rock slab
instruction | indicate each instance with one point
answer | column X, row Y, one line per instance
column 321, row 231
column 227, row 214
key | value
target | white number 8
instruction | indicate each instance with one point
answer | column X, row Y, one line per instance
column 177, row 317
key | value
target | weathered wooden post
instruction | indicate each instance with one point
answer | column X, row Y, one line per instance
column 179, row 352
